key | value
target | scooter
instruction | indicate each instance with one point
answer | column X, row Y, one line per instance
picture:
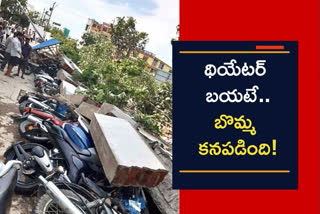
column 36, row 162
column 8, row 176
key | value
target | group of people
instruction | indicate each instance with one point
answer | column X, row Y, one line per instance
column 7, row 29
column 18, row 51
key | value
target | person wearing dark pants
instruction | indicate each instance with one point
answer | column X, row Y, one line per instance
column 26, row 52
column 16, row 54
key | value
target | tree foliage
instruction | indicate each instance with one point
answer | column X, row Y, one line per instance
column 11, row 10
column 68, row 46
column 34, row 16
column 125, row 84
column 91, row 38
column 125, row 37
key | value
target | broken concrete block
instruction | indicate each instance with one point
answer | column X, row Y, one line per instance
column 126, row 159
column 67, row 88
column 63, row 75
column 111, row 110
column 76, row 99
column 87, row 110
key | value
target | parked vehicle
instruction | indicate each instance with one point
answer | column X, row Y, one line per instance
column 47, row 66
column 83, row 167
column 60, row 196
column 67, row 201
column 44, row 103
column 47, row 84
column 32, row 129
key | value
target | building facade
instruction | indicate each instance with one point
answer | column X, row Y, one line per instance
column 152, row 62
column 94, row 26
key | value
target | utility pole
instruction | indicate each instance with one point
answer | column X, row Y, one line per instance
column 51, row 11
column 42, row 16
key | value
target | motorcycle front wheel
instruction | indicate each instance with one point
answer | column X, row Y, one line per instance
column 27, row 180
column 46, row 205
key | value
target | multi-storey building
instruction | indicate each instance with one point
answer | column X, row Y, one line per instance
column 152, row 62
column 94, row 26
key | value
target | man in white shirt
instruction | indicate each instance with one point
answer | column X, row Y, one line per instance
column 15, row 53
column 7, row 53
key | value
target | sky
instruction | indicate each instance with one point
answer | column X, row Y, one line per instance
column 158, row 18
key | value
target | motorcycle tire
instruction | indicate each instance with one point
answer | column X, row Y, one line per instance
column 28, row 70
column 35, row 135
column 48, row 91
column 23, row 105
column 46, row 205
column 21, row 186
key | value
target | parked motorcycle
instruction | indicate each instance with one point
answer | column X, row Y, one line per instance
column 49, row 67
column 32, row 129
column 47, row 84
column 83, row 167
column 60, row 196
column 44, row 103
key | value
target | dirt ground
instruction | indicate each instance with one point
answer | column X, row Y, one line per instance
column 9, row 90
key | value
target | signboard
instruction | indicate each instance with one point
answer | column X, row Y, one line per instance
column 235, row 113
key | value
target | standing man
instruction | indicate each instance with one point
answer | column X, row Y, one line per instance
column 26, row 52
column 15, row 53
column 7, row 53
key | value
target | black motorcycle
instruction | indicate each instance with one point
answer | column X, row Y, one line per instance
column 83, row 167
column 56, row 193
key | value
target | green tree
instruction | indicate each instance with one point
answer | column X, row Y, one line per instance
column 124, row 84
column 12, row 11
column 68, row 46
column 34, row 16
column 91, row 38
column 125, row 37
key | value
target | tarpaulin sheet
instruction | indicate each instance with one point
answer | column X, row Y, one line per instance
column 46, row 44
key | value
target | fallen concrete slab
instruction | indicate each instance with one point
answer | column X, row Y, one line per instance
column 127, row 160
column 64, row 75
column 67, row 88
column 112, row 110
column 87, row 110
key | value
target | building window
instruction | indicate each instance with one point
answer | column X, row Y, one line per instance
column 154, row 63
column 87, row 26
column 161, row 65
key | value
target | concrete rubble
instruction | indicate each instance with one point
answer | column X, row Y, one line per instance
column 126, row 159
column 114, row 111
column 165, row 198
column 87, row 110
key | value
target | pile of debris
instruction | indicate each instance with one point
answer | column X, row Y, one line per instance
column 124, row 168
